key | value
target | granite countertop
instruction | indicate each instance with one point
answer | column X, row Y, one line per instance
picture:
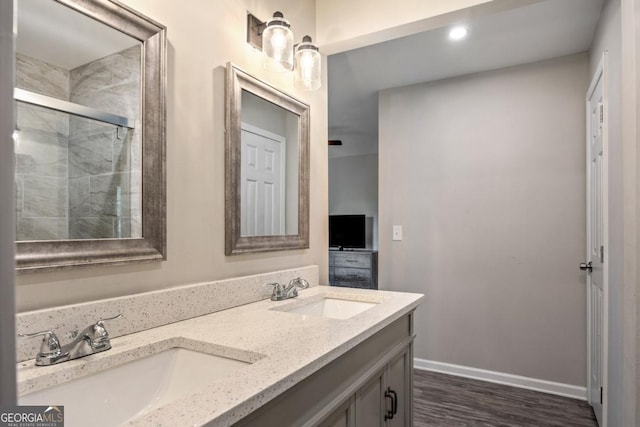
column 283, row 348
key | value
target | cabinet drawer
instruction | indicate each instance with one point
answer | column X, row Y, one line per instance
column 359, row 285
column 352, row 275
column 352, row 259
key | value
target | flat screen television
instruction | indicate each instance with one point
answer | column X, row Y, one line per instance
column 347, row 231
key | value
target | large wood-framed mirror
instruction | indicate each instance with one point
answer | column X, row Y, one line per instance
column 266, row 167
column 90, row 135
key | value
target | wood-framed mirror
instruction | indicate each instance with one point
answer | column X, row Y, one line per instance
column 266, row 167
column 90, row 135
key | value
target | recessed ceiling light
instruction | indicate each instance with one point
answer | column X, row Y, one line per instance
column 458, row 33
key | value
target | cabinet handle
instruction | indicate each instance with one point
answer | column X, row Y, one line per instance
column 395, row 401
column 389, row 414
column 351, row 260
column 390, row 394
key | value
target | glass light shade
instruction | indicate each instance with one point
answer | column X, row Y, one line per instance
column 308, row 71
column 277, row 44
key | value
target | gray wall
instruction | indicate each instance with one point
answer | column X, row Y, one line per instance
column 486, row 174
column 353, row 188
column 7, row 209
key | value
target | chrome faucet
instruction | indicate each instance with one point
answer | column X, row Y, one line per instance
column 93, row 339
column 281, row 292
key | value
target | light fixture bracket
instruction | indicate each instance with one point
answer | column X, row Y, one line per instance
column 255, row 27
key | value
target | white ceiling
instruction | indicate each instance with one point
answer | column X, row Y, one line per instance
column 539, row 31
column 60, row 36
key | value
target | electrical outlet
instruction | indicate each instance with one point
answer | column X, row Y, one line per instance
column 397, row 232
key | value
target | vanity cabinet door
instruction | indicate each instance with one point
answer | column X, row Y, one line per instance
column 369, row 403
column 398, row 380
column 341, row 417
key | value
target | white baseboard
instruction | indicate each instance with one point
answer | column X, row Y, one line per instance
column 544, row 386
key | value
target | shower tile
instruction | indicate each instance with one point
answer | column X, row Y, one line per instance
column 90, row 78
column 115, row 100
column 122, row 150
column 31, row 117
column 41, row 229
column 135, row 227
column 126, row 65
column 104, row 195
column 19, row 195
column 136, row 150
column 38, row 76
column 79, row 197
column 91, row 228
column 135, row 196
column 91, row 154
column 123, row 228
column 42, row 153
column 44, row 197
column 80, row 126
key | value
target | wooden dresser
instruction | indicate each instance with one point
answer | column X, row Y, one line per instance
column 353, row 269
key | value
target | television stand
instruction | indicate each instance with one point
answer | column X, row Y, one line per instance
column 357, row 268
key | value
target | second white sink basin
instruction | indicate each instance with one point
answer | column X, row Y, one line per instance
column 333, row 308
column 118, row 394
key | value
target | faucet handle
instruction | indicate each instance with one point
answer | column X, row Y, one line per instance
column 106, row 319
column 99, row 335
column 50, row 343
column 278, row 290
column 277, row 287
column 299, row 282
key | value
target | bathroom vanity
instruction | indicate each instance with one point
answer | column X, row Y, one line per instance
column 369, row 385
column 330, row 357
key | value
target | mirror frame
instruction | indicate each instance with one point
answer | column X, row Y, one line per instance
column 237, row 81
column 35, row 256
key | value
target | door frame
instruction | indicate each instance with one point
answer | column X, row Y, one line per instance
column 600, row 73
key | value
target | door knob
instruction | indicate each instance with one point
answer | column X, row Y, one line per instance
column 586, row 266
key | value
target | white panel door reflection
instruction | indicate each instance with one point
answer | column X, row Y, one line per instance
column 262, row 177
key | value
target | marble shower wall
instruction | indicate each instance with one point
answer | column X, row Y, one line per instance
column 104, row 162
column 42, row 154
column 78, row 178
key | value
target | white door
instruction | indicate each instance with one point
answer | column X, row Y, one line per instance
column 262, row 177
column 596, row 263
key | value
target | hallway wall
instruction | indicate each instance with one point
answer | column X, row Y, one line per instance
column 491, row 196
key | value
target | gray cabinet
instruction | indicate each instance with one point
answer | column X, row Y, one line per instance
column 369, row 386
column 399, row 390
column 341, row 417
column 354, row 269
column 369, row 403
column 383, row 401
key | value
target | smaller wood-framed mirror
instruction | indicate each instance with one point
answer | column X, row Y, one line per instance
column 266, row 167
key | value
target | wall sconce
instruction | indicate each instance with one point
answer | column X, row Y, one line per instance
column 275, row 39
column 308, row 66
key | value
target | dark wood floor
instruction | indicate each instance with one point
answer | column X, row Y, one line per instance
column 446, row 400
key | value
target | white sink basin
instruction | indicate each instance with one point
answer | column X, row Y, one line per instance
column 333, row 308
column 116, row 395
